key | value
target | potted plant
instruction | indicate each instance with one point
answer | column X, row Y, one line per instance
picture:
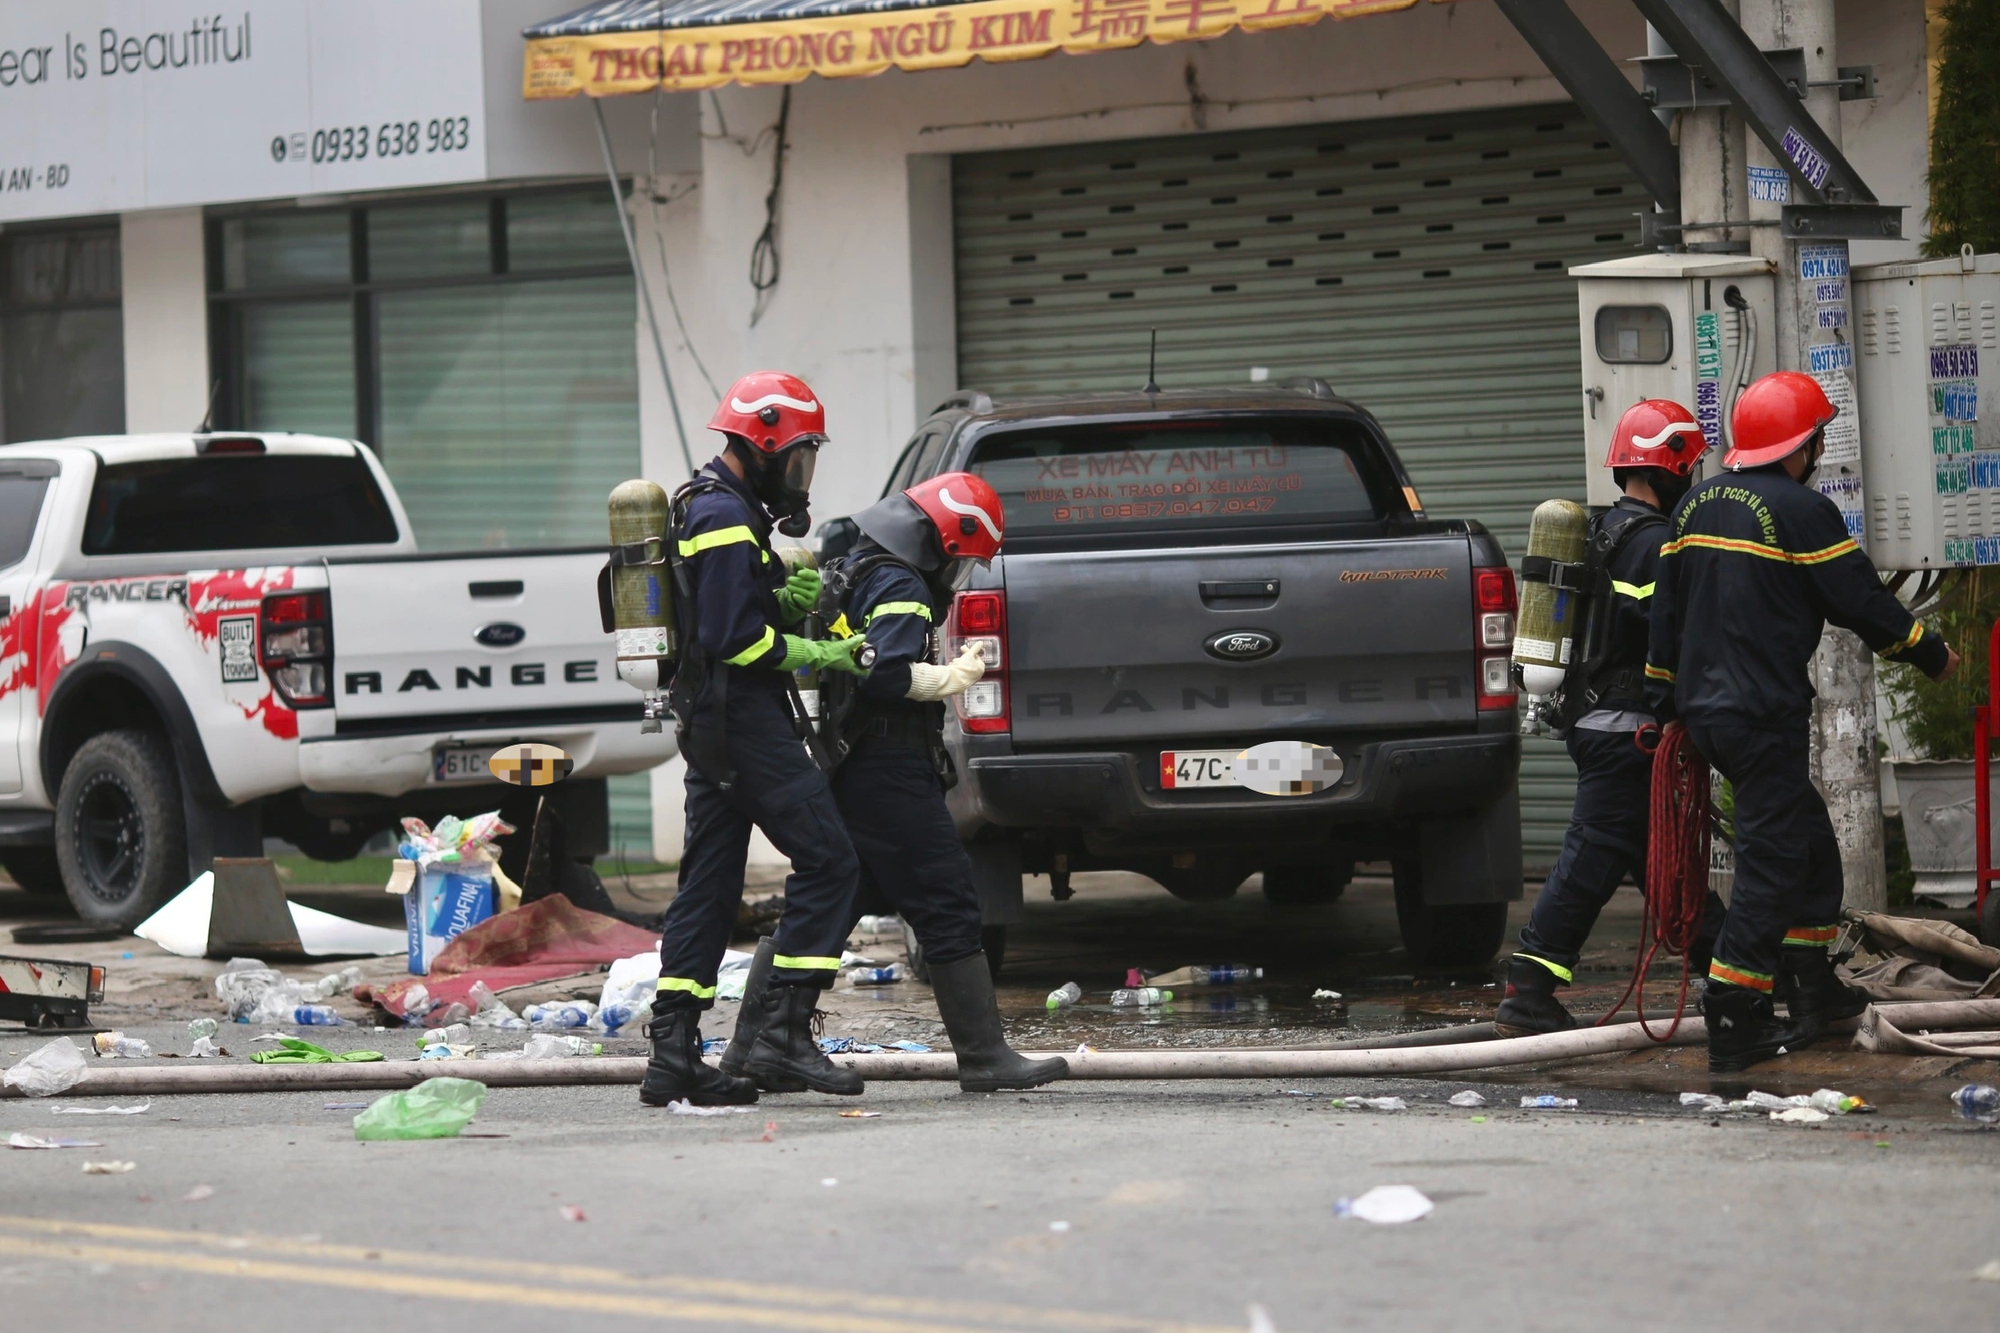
column 1934, row 779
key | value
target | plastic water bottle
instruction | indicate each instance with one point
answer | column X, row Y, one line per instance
column 1548, row 1102
column 1065, row 995
column 455, row 1034
column 335, row 982
column 1226, row 974
column 616, row 1016
column 567, row 1014
column 879, row 976
column 550, row 1046
column 1141, row 996
column 879, row 925
column 1977, row 1101
column 317, row 1016
column 118, row 1046
column 202, row 1027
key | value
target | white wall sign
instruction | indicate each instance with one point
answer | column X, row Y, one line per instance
column 116, row 105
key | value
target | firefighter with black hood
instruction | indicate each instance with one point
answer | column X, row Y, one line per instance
column 742, row 731
column 884, row 731
column 1654, row 449
column 1757, row 565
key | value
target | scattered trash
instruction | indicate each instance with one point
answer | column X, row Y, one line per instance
column 1065, row 995
column 445, row 876
column 1800, row 1115
column 1770, row 1101
column 1466, row 1098
column 202, row 1027
column 1839, row 1103
column 437, row 1108
column 1328, row 995
column 204, row 1048
column 1140, row 996
column 298, row 1051
column 563, row 1014
column 1370, row 1103
column 1298, row 1092
column 109, row 1168
column 140, row 1109
column 445, row 1051
column 855, row 1046
column 1987, row 1272
column 1386, row 1205
column 18, row 1140
column 1084, row 1048
column 490, row 1010
column 455, row 1034
column 118, row 1046
column 1059, row 1227
column 47, row 1070
column 879, row 925
column 254, row 993
column 714, row 1045
column 878, row 976
column 770, row 1131
column 1480, row 1119
column 689, row 1108
column 859, row 1115
column 1975, row 1101
column 612, row 1017
column 1260, row 1320
column 1704, row 1101
column 571, row 1213
column 552, row 1046
column 198, row 1193
column 1548, row 1102
column 345, row 1106
column 1212, row 974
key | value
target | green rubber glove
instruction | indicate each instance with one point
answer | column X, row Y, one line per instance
column 295, row 1051
column 824, row 654
column 799, row 595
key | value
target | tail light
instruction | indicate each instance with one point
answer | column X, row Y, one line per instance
column 981, row 618
column 295, row 644
column 1493, row 606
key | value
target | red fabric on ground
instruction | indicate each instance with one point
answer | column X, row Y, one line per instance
column 544, row 940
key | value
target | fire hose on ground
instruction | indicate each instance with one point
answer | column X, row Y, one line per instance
column 1461, row 1056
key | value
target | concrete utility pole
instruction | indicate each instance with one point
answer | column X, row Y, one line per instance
column 1814, row 323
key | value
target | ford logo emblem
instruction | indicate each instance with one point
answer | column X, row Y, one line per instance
column 500, row 634
column 1241, row 645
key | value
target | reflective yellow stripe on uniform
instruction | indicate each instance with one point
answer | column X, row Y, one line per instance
column 755, row 650
column 1562, row 973
column 1812, row 937
column 704, row 541
column 900, row 609
column 1659, row 673
column 694, row 988
column 1637, row 592
column 1742, row 547
column 1915, row 635
column 806, row 964
column 1738, row 976
column 1820, row 557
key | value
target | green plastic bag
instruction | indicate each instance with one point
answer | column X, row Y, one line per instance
column 437, row 1108
column 296, row 1051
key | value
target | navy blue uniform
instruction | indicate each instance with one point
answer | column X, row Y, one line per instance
column 1757, row 565
column 769, row 778
column 888, row 789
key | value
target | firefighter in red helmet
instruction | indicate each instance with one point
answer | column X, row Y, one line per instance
column 1757, row 565
column 1654, row 449
column 739, row 721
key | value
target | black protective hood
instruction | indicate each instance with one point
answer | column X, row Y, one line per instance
column 896, row 525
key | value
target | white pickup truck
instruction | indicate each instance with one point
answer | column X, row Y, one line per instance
column 208, row 639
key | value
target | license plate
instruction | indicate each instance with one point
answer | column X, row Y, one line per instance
column 1197, row 768
column 461, row 763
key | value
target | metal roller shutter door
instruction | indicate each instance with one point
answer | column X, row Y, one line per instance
column 1418, row 266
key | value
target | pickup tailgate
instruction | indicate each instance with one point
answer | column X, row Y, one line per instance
column 460, row 643
column 1240, row 643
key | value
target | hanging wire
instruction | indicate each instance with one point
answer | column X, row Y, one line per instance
column 764, row 260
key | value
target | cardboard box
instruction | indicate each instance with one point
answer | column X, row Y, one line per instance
column 442, row 901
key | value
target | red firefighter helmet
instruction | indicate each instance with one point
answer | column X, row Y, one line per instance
column 1774, row 417
column 966, row 512
column 771, row 410
column 1657, row 432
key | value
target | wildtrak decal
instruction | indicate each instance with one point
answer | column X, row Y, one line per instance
column 1390, row 575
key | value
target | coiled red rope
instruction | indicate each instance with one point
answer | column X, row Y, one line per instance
column 1676, row 887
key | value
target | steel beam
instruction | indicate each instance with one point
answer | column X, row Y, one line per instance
column 1600, row 88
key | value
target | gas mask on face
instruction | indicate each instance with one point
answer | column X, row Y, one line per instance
column 1671, row 489
column 1815, row 450
column 782, row 483
column 958, row 574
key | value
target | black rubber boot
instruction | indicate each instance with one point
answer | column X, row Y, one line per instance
column 1530, row 1006
column 986, row 1063
column 676, row 1072
column 748, row 1014
column 1813, row 995
column 1743, row 1029
column 784, row 1056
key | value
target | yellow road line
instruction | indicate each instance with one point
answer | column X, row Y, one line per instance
column 760, row 1294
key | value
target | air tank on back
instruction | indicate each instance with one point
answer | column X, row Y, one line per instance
column 1551, row 616
column 642, row 593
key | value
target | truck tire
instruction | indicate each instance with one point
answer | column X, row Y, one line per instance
column 1453, row 935
column 1307, row 886
column 120, row 833
column 34, row 869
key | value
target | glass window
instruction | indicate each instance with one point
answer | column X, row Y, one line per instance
column 62, row 335
column 307, row 248
column 1634, row 335
column 298, row 367
column 579, row 230
column 20, row 510
column 236, row 502
column 1151, row 479
column 430, row 240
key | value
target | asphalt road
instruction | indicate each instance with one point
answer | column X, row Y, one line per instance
column 1095, row 1207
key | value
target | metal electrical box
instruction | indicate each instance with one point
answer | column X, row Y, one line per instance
column 1693, row 328
column 1929, row 375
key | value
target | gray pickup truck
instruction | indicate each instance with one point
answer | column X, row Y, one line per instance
column 1191, row 573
